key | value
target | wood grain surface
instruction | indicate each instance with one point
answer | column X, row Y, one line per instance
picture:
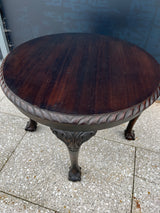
column 81, row 74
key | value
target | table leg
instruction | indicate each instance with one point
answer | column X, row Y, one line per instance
column 129, row 132
column 73, row 141
column 31, row 126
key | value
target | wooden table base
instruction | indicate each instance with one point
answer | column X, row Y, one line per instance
column 74, row 140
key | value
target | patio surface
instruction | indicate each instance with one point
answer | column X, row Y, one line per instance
column 118, row 176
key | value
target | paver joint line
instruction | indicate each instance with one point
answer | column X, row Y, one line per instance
column 134, row 169
column 28, row 201
column 12, row 152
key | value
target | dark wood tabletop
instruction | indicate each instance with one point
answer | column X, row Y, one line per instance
column 81, row 74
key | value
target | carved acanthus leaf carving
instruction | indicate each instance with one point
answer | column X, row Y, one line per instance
column 73, row 140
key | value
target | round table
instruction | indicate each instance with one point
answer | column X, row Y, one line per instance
column 79, row 83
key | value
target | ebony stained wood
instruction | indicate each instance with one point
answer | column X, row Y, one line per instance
column 81, row 73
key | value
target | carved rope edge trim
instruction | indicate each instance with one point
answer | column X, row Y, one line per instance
column 76, row 119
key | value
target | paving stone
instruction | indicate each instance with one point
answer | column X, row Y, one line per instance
column 146, row 130
column 8, row 107
column 10, row 204
column 148, row 165
column 146, row 197
column 38, row 172
column 11, row 132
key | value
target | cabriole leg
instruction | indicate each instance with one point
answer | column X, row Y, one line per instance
column 31, row 126
column 74, row 170
column 73, row 141
column 129, row 132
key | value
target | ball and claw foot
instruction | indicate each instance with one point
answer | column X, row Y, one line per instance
column 31, row 126
column 74, row 174
column 129, row 135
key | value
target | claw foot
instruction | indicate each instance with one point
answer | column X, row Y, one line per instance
column 74, row 174
column 129, row 135
column 31, row 126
